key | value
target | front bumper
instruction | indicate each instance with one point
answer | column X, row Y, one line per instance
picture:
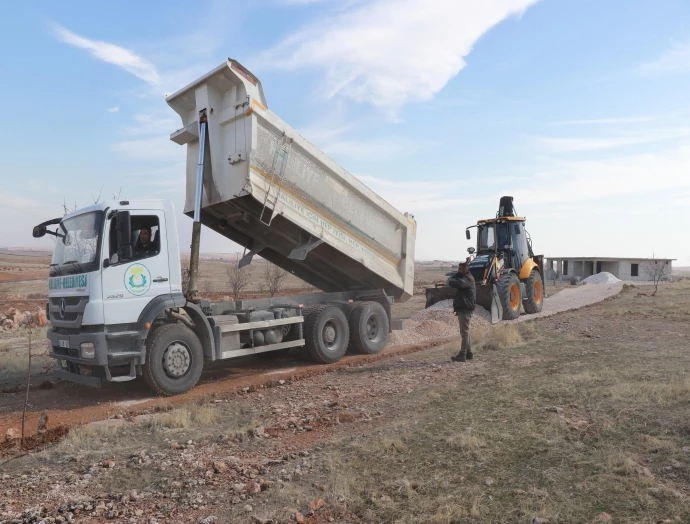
column 73, row 342
column 118, row 348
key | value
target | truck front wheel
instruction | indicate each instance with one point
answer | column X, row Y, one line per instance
column 174, row 360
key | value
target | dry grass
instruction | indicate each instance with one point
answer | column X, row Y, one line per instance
column 486, row 449
column 194, row 415
column 14, row 356
column 465, row 441
column 676, row 390
column 86, row 439
column 12, row 363
column 501, row 336
column 192, row 421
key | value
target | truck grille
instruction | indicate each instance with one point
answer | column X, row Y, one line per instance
column 67, row 312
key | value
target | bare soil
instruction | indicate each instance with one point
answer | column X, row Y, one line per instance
column 580, row 417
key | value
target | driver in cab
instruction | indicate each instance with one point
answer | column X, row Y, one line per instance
column 144, row 247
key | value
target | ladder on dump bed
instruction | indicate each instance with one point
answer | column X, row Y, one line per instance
column 276, row 177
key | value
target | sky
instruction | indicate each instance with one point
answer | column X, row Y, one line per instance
column 579, row 110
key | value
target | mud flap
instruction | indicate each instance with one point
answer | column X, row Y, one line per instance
column 496, row 308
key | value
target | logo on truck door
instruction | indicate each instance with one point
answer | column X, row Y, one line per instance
column 137, row 279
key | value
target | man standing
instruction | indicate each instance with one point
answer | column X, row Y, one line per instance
column 463, row 305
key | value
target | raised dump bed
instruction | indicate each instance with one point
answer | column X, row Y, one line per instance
column 270, row 190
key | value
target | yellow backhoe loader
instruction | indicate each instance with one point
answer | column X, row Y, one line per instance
column 508, row 275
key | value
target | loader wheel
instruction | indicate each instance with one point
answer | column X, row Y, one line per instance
column 510, row 296
column 326, row 333
column 535, row 293
column 369, row 328
column 174, row 360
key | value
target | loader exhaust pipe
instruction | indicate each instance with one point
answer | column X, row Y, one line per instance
column 193, row 291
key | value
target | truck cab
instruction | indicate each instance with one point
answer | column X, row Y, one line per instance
column 103, row 282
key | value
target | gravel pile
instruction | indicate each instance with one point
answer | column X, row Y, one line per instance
column 601, row 278
column 439, row 321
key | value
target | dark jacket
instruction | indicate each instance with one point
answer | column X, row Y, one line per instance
column 141, row 251
column 465, row 292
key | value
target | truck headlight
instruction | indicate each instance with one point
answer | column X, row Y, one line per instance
column 87, row 350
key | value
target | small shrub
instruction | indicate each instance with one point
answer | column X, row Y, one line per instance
column 497, row 337
column 465, row 441
column 186, row 417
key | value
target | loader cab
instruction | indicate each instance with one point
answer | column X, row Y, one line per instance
column 506, row 238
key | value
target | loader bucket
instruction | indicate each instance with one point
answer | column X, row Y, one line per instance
column 437, row 294
column 487, row 297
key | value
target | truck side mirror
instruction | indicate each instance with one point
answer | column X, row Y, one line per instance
column 470, row 250
column 39, row 231
column 123, row 226
column 467, row 234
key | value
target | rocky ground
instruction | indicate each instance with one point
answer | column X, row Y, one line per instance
column 14, row 319
column 374, row 441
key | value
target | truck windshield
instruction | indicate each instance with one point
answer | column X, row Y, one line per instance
column 77, row 244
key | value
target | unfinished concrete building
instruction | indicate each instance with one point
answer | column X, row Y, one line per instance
column 622, row 268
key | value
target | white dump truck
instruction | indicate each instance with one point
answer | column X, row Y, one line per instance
column 116, row 303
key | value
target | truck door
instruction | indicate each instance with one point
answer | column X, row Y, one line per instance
column 128, row 286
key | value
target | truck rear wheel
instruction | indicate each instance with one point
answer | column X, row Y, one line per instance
column 326, row 333
column 510, row 296
column 174, row 360
column 535, row 293
column 369, row 328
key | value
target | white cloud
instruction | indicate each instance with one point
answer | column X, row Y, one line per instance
column 594, row 121
column 392, row 52
column 155, row 123
column 112, row 54
column 569, row 145
column 372, row 150
column 154, row 149
column 427, row 195
column 663, row 172
column 677, row 58
column 114, row 109
column 332, row 140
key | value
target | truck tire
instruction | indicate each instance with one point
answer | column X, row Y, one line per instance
column 326, row 333
column 510, row 296
column 174, row 360
column 534, row 291
column 369, row 327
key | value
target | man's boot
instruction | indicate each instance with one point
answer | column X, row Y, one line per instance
column 469, row 355
column 460, row 357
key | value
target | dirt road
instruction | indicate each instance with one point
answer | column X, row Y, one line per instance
column 70, row 404
column 583, row 419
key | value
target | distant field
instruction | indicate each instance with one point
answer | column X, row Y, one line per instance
column 24, row 278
